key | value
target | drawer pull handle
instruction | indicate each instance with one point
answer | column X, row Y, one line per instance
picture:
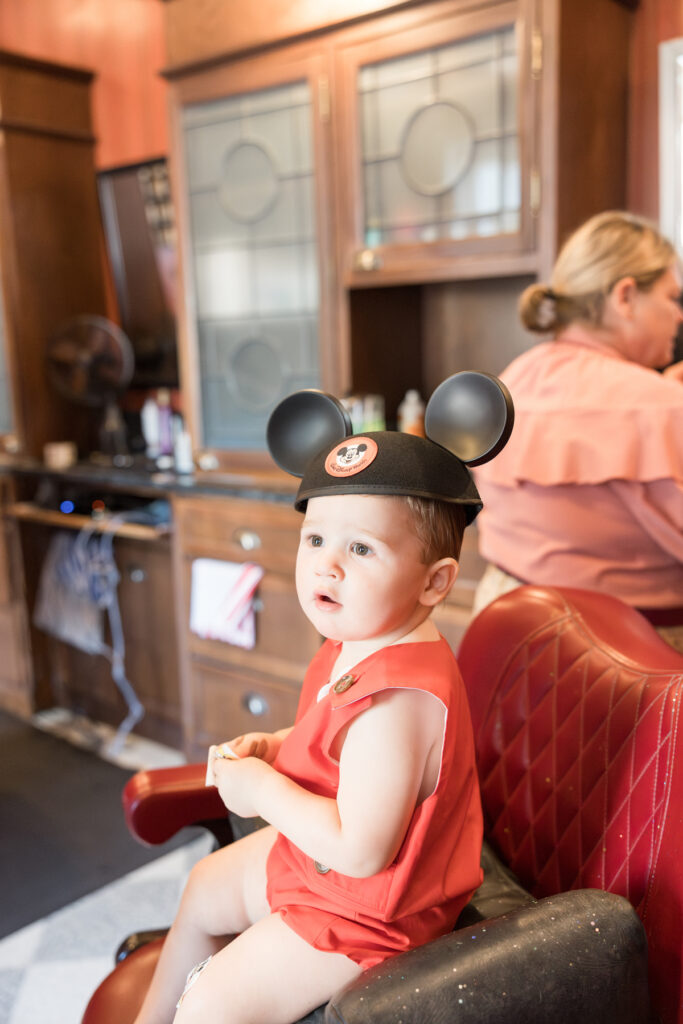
column 136, row 574
column 247, row 539
column 255, row 704
column 367, row 260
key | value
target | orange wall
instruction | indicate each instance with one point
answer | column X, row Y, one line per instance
column 122, row 41
column 654, row 22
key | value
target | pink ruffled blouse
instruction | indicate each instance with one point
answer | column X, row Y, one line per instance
column 589, row 490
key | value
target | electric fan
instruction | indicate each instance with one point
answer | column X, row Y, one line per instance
column 90, row 360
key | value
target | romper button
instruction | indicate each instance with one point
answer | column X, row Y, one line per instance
column 344, row 683
column 320, row 868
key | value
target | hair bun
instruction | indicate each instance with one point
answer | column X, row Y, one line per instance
column 537, row 308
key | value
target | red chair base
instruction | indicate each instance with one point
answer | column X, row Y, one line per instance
column 119, row 998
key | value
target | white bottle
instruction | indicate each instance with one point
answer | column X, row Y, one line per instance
column 411, row 414
column 182, row 452
column 149, row 423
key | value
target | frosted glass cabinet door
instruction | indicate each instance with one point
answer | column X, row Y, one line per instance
column 250, row 182
column 437, row 138
column 6, row 415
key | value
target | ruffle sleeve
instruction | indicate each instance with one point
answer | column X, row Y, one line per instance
column 583, row 416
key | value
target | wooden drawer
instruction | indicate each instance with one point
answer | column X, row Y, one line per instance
column 230, row 703
column 285, row 639
column 238, row 530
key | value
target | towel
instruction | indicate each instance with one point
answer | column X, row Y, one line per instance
column 221, row 602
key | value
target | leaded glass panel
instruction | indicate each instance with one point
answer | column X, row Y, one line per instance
column 440, row 142
column 251, row 195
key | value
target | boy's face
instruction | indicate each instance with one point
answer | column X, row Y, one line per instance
column 359, row 569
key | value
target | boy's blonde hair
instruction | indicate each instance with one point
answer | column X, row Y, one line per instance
column 605, row 249
column 439, row 525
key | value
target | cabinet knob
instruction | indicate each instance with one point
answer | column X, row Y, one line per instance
column 136, row 574
column 247, row 539
column 367, row 259
column 255, row 704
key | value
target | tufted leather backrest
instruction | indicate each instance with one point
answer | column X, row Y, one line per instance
column 576, row 712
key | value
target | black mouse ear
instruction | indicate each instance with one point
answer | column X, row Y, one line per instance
column 470, row 414
column 302, row 424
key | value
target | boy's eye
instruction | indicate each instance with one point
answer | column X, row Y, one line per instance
column 359, row 548
column 315, row 541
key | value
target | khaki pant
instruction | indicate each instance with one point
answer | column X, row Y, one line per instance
column 494, row 583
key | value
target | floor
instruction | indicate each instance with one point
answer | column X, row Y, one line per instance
column 49, row 969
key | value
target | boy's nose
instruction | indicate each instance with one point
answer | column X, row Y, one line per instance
column 328, row 564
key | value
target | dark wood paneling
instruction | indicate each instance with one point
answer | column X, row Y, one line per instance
column 589, row 82
column 386, row 342
column 58, row 275
column 50, row 255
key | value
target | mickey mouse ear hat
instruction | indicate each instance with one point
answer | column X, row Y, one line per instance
column 468, row 420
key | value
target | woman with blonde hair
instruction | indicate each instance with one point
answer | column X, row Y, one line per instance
column 589, row 490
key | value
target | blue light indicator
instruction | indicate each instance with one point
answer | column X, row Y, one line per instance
column 66, row 506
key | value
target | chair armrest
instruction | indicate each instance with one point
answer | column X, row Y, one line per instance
column 159, row 803
column 570, row 958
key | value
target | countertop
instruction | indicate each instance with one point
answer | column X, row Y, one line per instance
column 145, row 479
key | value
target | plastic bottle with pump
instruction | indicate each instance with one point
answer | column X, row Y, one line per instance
column 411, row 414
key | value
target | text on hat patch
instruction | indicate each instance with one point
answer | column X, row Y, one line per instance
column 351, row 456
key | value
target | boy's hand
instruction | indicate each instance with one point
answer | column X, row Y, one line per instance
column 222, row 751
column 238, row 782
column 261, row 745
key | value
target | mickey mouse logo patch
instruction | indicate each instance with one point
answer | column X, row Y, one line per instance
column 350, row 457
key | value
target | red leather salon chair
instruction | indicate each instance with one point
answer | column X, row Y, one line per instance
column 575, row 703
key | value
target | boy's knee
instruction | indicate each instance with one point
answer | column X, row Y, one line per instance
column 200, row 882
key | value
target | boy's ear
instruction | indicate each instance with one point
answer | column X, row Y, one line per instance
column 442, row 576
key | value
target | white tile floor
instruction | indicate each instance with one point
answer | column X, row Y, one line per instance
column 49, row 969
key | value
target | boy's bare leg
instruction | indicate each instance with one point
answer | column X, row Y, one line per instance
column 268, row 975
column 224, row 895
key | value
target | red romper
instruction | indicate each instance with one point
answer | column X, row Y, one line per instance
column 420, row 895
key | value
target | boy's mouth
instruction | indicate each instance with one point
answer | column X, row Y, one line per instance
column 325, row 602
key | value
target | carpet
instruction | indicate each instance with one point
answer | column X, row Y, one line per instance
column 62, row 831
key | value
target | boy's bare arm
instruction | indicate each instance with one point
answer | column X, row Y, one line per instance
column 382, row 768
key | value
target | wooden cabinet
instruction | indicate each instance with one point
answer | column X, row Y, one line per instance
column 475, row 136
column 228, row 690
column 252, row 145
column 51, row 665
column 440, row 145
column 51, row 262
column 435, row 144
column 66, row 676
column 445, row 150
